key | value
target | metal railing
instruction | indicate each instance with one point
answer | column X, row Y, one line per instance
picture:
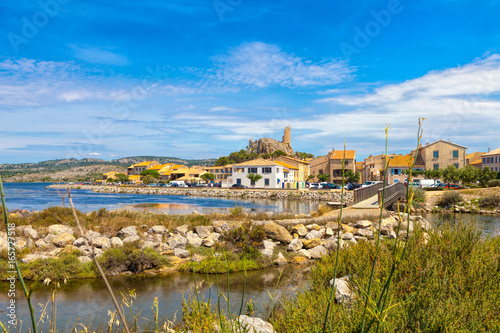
column 364, row 193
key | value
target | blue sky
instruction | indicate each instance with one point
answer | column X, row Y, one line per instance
column 197, row 79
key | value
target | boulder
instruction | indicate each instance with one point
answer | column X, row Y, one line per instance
column 298, row 260
column 367, row 233
column 389, row 222
column 332, row 225
column 255, row 325
column 347, row 236
column 305, row 253
column 64, row 239
column 313, row 226
column 4, row 245
column 329, row 232
column 79, row 242
column 84, row 259
column 268, row 244
column 157, row 229
column 281, row 260
column 343, row 293
column 208, row 242
column 295, row 245
column 348, row 228
column 193, row 239
column 330, row 245
column 314, row 234
column 91, row 234
column 277, row 232
column 20, row 243
column 385, row 231
column 148, row 245
column 221, row 227
column 363, row 224
column 42, row 245
column 204, row 230
column 128, row 232
column 102, row 242
column 177, row 241
column 318, row 252
column 181, row 253
column 300, row 230
column 50, row 238
column 182, row 230
column 59, row 229
column 131, row 239
column 29, row 232
column 32, row 257
column 267, row 252
column 310, row 243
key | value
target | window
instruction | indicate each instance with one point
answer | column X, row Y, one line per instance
column 436, row 166
column 455, row 165
column 238, row 181
column 484, row 160
column 396, row 171
column 266, row 182
column 252, row 170
column 266, row 170
column 455, row 153
column 252, row 182
column 496, row 159
column 320, row 171
column 435, row 153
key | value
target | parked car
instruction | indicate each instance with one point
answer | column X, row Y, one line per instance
column 315, row 185
column 239, row 186
column 330, row 186
column 201, row 185
column 370, row 183
column 453, row 186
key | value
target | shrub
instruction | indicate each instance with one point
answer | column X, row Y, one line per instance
column 128, row 258
column 449, row 198
column 490, row 201
column 494, row 183
column 245, row 239
column 418, row 195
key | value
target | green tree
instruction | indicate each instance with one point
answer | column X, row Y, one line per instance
column 121, row 177
column 278, row 153
column 254, row 178
column 434, row 174
column 485, row 175
column 468, row 174
column 302, row 155
column 208, row 177
column 323, row 177
column 450, row 174
column 110, row 180
column 147, row 179
column 310, row 177
column 151, row 173
column 351, row 176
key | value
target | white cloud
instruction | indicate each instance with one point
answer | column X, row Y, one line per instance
column 262, row 65
column 95, row 55
column 95, row 154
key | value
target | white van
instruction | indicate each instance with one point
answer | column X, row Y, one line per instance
column 427, row 182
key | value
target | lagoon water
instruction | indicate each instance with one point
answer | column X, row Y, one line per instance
column 35, row 196
column 88, row 301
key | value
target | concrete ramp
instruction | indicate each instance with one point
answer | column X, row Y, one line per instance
column 370, row 203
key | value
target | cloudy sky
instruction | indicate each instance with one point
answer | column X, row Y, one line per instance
column 198, row 78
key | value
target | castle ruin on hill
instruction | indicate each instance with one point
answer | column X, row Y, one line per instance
column 269, row 146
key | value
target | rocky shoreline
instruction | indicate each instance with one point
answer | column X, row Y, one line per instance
column 331, row 195
column 284, row 243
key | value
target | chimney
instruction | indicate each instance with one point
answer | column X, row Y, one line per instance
column 489, row 149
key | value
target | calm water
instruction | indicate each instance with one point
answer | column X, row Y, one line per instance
column 34, row 196
column 87, row 301
column 490, row 225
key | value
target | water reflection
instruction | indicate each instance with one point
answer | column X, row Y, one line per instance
column 489, row 224
column 87, row 301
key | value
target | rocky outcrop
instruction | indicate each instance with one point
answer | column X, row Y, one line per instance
column 277, row 232
column 268, row 146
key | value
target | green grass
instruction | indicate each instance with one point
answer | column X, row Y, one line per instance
column 449, row 284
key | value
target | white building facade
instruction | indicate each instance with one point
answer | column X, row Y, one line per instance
column 273, row 175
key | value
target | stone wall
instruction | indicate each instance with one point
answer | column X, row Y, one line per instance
column 218, row 192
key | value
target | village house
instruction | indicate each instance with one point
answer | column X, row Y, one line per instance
column 373, row 168
column 440, row 154
column 136, row 169
column 475, row 159
column 399, row 165
column 300, row 167
column 492, row 160
column 273, row 174
column 166, row 171
column 331, row 164
column 222, row 174
column 109, row 175
column 187, row 174
column 360, row 167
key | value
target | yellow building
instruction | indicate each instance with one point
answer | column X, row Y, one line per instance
column 222, row 173
column 301, row 165
column 475, row 159
column 331, row 164
column 108, row 175
column 136, row 169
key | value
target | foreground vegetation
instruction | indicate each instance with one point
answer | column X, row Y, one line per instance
column 447, row 283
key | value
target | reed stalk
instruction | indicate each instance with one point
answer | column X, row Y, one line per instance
column 332, row 283
column 12, row 251
column 96, row 262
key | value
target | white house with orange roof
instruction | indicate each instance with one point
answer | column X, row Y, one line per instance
column 273, row 174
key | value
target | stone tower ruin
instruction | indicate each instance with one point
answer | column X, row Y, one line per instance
column 287, row 137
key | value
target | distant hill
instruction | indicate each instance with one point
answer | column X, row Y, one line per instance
column 36, row 171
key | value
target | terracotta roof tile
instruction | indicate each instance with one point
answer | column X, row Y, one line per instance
column 339, row 154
